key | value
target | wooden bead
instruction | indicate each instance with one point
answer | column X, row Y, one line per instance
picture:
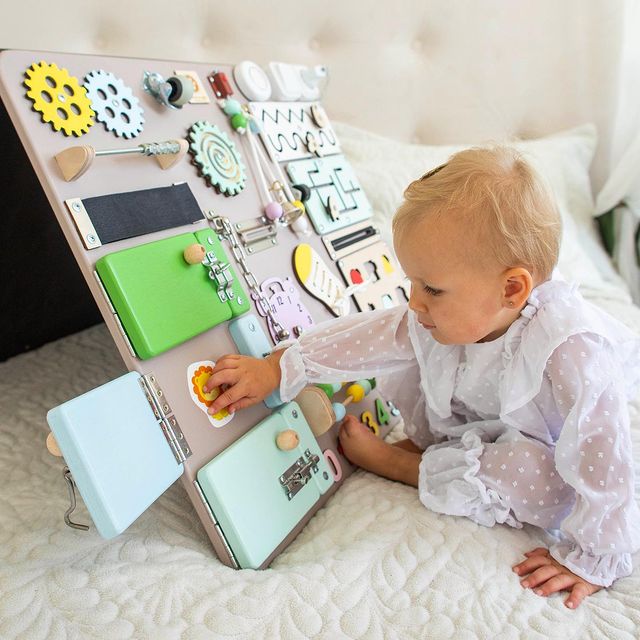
column 287, row 440
column 194, row 254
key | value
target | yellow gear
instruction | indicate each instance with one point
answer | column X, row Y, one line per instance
column 60, row 98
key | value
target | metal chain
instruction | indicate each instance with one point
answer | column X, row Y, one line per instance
column 222, row 226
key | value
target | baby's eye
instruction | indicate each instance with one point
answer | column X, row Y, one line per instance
column 431, row 291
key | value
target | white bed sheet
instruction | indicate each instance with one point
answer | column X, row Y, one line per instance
column 374, row 563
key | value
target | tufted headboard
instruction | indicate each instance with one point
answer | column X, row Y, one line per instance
column 424, row 71
column 431, row 71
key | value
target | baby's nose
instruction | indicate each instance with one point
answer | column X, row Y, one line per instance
column 415, row 304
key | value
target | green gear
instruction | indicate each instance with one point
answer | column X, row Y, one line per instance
column 217, row 158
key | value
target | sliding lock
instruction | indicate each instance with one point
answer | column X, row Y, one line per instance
column 299, row 473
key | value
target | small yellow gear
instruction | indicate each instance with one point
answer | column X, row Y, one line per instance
column 60, row 98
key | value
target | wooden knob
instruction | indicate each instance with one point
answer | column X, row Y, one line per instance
column 194, row 254
column 287, row 440
column 52, row 446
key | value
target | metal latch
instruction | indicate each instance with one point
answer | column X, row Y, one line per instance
column 299, row 473
column 220, row 273
column 257, row 234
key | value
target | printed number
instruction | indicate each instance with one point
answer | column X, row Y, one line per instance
column 381, row 412
column 367, row 418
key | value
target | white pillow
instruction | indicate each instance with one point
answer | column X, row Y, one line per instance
column 385, row 167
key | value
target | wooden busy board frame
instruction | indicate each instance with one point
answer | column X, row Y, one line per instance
column 117, row 174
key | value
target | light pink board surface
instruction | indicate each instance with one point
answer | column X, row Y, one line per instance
column 116, row 174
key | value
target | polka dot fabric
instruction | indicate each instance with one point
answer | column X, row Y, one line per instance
column 530, row 428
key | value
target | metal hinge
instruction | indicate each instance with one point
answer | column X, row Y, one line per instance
column 216, row 524
column 299, row 473
column 116, row 317
column 163, row 413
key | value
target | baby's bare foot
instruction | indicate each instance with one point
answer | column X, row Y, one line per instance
column 363, row 448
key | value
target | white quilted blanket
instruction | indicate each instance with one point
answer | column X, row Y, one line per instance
column 373, row 564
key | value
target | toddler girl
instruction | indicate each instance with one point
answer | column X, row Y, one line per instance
column 512, row 387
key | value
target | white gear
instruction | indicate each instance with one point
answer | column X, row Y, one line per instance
column 114, row 103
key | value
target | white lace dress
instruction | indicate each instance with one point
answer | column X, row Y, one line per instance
column 532, row 427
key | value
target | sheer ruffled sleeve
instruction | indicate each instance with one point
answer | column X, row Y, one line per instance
column 361, row 345
column 593, row 455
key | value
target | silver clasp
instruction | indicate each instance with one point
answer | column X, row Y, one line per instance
column 71, row 485
column 299, row 473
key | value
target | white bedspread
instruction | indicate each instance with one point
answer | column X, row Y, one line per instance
column 373, row 564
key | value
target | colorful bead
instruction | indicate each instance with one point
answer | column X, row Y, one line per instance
column 366, row 385
column 273, row 211
column 339, row 410
column 301, row 226
column 232, row 107
column 356, row 391
column 327, row 388
column 239, row 121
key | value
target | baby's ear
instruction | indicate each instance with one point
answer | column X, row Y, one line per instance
column 518, row 284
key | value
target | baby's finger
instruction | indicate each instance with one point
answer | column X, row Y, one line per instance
column 241, row 404
column 531, row 564
column 538, row 551
column 227, row 397
column 540, row 575
column 559, row 582
column 579, row 592
column 218, row 378
column 229, row 359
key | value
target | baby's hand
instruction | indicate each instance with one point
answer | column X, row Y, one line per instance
column 546, row 576
column 247, row 380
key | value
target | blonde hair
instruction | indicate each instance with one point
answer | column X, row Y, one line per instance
column 500, row 199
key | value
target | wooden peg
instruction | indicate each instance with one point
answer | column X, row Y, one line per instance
column 75, row 161
column 167, row 160
column 194, row 253
column 52, row 446
column 287, row 440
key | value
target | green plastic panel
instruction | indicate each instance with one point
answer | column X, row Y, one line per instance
column 160, row 299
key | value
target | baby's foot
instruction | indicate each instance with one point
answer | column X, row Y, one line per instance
column 363, row 448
